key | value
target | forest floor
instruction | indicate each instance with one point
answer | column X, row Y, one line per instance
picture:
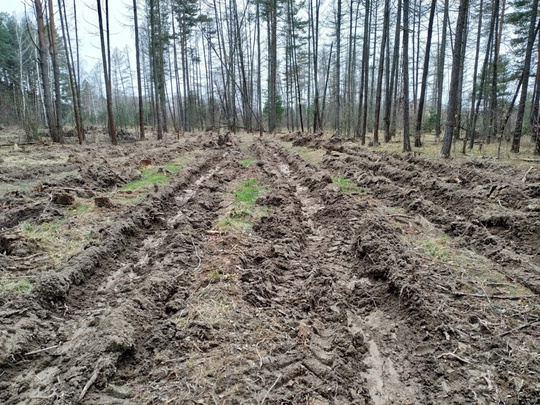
column 291, row 270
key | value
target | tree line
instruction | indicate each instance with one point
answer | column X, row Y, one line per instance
column 467, row 71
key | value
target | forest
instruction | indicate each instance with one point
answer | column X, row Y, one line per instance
column 368, row 70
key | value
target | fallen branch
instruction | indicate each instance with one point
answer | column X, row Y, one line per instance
column 455, row 356
column 197, row 254
column 91, row 381
column 525, row 325
column 270, row 389
column 524, row 179
column 46, row 206
column 530, row 160
column 494, row 297
column 41, row 350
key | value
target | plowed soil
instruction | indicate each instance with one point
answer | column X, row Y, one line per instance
column 352, row 277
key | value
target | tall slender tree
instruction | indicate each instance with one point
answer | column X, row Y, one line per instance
column 516, row 138
column 138, row 61
column 427, row 57
column 45, row 80
column 106, row 72
column 406, row 106
column 454, row 78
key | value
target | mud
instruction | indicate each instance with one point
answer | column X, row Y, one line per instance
column 381, row 294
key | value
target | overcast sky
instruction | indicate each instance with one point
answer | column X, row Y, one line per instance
column 121, row 34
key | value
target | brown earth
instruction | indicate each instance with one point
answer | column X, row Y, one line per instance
column 414, row 282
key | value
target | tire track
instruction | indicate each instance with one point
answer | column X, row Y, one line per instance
column 106, row 312
column 505, row 235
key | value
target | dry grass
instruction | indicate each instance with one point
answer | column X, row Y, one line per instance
column 313, row 156
column 431, row 149
column 473, row 272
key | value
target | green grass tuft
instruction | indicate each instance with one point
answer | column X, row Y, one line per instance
column 437, row 248
column 346, row 185
column 245, row 209
column 173, row 168
column 149, row 178
column 248, row 192
column 22, row 286
column 247, row 162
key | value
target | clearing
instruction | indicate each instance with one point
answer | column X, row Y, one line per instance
column 286, row 270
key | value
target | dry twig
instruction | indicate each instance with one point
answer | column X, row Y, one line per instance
column 495, row 297
column 91, row 381
column 41, row 350
column 525, row 325
column 270, row 389
column 524, row 179
column 455, row 356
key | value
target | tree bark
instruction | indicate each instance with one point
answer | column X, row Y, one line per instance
column 516, row 139
column 139, row 81
column 106, row 64
column 384, row 40
column 390, row 93
column 454, row 79
column 56, row 75
column 47, row 94
column 420, row 112
column 71, row 73
column 406, row 134
column 440, row 73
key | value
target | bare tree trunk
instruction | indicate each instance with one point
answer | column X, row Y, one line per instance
column 454, row 78
column 72, row 83
column 440, row 73
column 139, row 81
column 390, row 93
column 56, row 74
column 472, row 116
column 384, row 40
column 106, row 64
column 259, row 66
column 272, row 65
column 337, row 121
column 47, row 95
column 493, row 116
column 420, row 112
column 526, row 73
column 406, row 134
column 536, row 104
